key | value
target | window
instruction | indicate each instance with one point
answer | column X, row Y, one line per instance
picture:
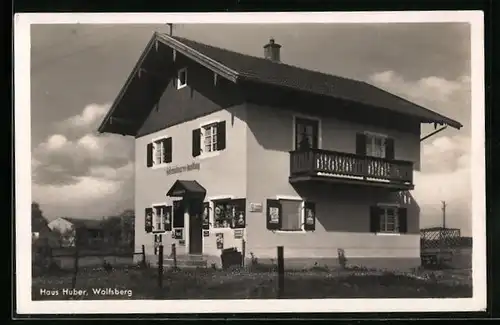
column 209, row 138
column 306, row 134
column 209, row 134
column 159, row 215
column 159, row 152
column 178, row 213
column 290, row 215
column 375, row 145
column 182, row 78
column 229, row 213
column 388, row 219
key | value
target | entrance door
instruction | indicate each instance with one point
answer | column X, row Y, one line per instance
column 195, row 227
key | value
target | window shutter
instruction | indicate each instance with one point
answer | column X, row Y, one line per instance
column 240, row 210
column 309, row 216
column 167, row 218
column 361, row 144
column 374, row 219
column 167, row 150
column 148, row 220
column 206, row 215
column 149, row 155
column 274, row 218
column 221, row 135
column 403, row 220
column 196, row 142
column 389, row 148
column 178, row 214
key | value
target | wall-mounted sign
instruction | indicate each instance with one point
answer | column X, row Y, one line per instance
column 206, row 233
column 238, row 233
column 255, row 207
column 220, row 240
column 178, row 233
column 182, row 242
column 182, row 169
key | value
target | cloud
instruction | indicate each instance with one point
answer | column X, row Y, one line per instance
column 78, row 170
column 445, row 176
column 445, row 173
column 449, row 97
column 85, row 123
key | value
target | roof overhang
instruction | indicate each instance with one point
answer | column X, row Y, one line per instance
column 148, row 80
column 153, row 71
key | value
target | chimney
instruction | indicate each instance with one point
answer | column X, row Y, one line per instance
column 272, row 51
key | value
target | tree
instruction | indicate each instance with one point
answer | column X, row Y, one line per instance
column 38, row 221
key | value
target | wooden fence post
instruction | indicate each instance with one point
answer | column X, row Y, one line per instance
column 75, row 268
column 174, row 256
column 160, row 266
column 281, row 272
column 243, row 252
column 143, row 256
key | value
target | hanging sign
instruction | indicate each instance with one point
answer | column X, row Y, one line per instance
column 255, row 207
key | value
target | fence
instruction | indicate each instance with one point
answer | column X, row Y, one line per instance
column 50, row 260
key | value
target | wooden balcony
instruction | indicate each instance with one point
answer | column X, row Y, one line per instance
column 341, row 167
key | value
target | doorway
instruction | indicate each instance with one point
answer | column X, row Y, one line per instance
column 195, row 226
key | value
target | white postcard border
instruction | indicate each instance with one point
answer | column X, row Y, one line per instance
column 22, row 122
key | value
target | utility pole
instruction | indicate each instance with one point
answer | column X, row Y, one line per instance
column 443, row 208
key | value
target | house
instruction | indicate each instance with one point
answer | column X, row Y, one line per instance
column 236, row 151
column 72, row 231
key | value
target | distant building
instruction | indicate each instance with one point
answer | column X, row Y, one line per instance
column 72, row 231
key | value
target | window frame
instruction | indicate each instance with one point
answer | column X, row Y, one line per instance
column 155, row 142
column 179, row 84
column 155, row 218
column 212, row 202
column 301, row 217
column 294, row 129
column 385, row 207
column 370, row 138
column 214, row 124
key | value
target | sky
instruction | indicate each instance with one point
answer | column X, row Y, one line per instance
column 78, row 70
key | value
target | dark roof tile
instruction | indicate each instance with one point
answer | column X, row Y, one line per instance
column 281, row 74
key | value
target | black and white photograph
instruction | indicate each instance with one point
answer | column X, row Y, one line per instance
column 300, row 162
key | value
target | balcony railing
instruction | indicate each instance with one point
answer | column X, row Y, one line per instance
column 316, row 162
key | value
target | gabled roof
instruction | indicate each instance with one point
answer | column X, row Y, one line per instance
column 237, row 67
column 85, row 223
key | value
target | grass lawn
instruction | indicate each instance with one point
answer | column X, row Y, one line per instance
column 242, row 284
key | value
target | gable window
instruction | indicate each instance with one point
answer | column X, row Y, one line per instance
column 182, row 78
column 209, row 138
column 306, row 134
column 388, row 219
column 159, row 152
column 290, row 215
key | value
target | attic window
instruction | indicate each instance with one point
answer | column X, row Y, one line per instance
column 182, row 78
